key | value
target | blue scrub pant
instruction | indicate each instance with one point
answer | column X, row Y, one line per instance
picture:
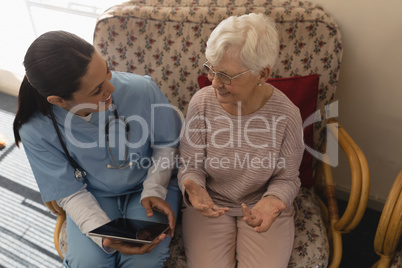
column 83, row 252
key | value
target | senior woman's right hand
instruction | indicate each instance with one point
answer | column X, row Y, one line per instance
column 201, row 201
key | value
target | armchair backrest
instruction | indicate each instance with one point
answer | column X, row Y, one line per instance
column 166, row 39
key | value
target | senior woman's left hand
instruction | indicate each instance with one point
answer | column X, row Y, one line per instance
column 160, row 205
column 264, row 213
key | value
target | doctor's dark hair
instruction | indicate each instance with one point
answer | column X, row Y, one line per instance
column 54, row 65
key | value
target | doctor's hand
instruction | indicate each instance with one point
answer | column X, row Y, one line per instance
column 264, row 213
column 131, row 248
column 201, row 201
column 151, row 203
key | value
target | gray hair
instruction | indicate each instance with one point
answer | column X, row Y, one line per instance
column 251, row 38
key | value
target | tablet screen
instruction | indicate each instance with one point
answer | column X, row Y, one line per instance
column 130, row 230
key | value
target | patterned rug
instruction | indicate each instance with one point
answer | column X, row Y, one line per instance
column 26, row 225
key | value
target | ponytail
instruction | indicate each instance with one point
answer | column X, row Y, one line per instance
column 55, row 64
column 29, row 102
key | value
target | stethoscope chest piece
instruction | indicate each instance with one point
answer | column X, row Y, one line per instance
column 80, row 174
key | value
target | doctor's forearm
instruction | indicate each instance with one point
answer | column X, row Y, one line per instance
column 160, row 173
column 84, row 210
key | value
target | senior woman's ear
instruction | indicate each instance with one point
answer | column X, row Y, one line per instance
column 265, row 73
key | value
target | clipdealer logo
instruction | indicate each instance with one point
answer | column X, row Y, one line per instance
column 147, row 130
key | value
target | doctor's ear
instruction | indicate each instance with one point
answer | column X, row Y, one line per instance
column 56, row 100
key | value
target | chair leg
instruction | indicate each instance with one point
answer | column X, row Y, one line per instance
column 337, row 250
column 60, row 220
column 384, row 262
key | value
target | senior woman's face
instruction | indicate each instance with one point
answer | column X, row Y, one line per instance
column 95, row 92
column 240, row 89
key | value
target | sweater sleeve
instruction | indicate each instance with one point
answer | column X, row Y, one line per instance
column 192, row 147
column 285, row 181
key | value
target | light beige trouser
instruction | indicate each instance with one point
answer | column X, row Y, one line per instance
column 219, row 242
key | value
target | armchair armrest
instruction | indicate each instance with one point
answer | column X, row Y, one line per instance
column 61, row 217
column 389, row 228
column 360, row 185
column 54, row 208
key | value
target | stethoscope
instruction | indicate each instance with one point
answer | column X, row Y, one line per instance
column 79, row 173
column 127, row 128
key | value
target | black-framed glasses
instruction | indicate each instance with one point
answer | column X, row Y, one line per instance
column 224, row 78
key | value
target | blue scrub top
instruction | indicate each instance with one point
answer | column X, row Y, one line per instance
column 153, row 122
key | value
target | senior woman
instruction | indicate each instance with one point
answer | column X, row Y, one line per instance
column 240, row 153
column 88, row 133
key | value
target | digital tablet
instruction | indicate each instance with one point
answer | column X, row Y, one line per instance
column 130, row 230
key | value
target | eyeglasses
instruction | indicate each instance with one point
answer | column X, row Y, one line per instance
column 224, row 78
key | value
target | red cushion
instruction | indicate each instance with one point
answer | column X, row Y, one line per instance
column 203, row 81
column 302, row 91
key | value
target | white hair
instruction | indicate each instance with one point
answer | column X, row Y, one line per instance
column 251, row 38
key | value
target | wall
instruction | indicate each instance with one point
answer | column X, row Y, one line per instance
column 369, row 90
column 10, row 82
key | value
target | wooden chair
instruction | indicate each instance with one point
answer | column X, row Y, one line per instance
column 166, row 40
column 360, row 184
column 60, row 230
column 389, row 230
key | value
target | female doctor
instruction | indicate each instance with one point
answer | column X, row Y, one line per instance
column 101, row 144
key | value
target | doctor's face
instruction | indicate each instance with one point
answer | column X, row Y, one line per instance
column 95, row 92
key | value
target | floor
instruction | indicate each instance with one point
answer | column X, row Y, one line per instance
column 358, row 246
column 26, row 225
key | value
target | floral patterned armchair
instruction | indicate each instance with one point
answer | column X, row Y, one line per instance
column 166, row 39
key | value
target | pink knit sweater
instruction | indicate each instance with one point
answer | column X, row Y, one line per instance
column 242, row 158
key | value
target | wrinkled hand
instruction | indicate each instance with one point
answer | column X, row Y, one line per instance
column 130, row 248
column 156, row 203
column 201, row 201
column 264, row 213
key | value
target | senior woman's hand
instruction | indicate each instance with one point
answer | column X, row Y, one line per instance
column 264, row 213
column 156, row 203
column 201, row 201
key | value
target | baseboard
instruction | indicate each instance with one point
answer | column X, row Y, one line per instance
column 373, row 202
